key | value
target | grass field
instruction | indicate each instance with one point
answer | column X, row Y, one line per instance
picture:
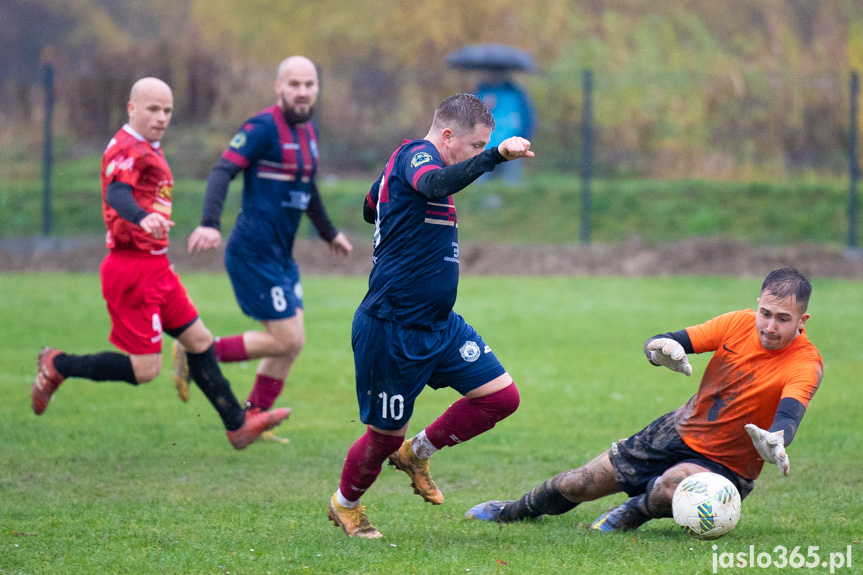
column 114, row 479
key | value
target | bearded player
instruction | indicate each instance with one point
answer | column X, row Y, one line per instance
column 277, row 153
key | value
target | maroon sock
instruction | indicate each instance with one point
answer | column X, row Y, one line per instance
column 231, row 348
column 468, row 417
column 364, row 461
column 265, row 391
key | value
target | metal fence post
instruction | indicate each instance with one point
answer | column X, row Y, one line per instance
column 853, row 165
column 47, row 148
column 586, row 153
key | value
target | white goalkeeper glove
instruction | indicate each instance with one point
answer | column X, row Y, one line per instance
column 665, row 351
column 770, row 446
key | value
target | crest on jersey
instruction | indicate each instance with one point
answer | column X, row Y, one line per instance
column 420, row 158
column 469, row 351
column 239, row 140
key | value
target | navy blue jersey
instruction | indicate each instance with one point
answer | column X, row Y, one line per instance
column 279, row 162
column 414, row 280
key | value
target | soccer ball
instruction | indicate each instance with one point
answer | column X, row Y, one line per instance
column 706, row 505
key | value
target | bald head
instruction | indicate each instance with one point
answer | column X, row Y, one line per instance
column 297, row 88
column 296, row 64
column 146, row 86
column 150, row 106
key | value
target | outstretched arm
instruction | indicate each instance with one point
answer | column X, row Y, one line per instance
column 669, row 350
column 436, row 184
column 771, row 444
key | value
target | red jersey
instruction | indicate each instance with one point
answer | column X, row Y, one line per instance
column 130, row 159
column 743, row 383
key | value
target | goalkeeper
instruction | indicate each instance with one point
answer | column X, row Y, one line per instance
column 752, row 397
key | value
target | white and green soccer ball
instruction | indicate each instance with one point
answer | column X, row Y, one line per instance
column 706, row 505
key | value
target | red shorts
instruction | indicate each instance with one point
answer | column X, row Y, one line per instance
column 144, row 296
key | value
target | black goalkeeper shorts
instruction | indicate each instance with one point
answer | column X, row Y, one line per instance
column 655, row 449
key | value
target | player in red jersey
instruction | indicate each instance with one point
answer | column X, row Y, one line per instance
column 752, row 397
column 143, row 293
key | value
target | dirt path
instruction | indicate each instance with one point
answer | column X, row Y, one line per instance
column 691, row 256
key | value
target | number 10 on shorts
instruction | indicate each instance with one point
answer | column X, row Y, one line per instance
column 396, row 405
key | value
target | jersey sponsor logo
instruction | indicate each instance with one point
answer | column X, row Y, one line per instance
column 420, row 158
column 725, row 347
column 166, row 210
column 290, row 146
column 238, row 141
column 163, row 198
column 298, row 201
column 164, row 193
column 454, row 258
column 469, row 351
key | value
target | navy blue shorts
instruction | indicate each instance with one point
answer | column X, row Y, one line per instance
column 265, row 289
column 655, row 449
column 394, row 363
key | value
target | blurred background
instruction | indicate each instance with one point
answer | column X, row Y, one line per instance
column 706, row 105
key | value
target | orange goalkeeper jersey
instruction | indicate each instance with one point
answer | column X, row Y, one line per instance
column 743, row 383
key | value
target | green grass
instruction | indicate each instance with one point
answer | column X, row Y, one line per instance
column 114, row 479
column 545, row 209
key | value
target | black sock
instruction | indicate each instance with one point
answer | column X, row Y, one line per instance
column 104, row 366
column 642, row 503
column 204, row 370
column 544, row 499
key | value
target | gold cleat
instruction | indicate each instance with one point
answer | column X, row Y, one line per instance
column 418, row 470
column 271, row 436
column 353, row 521
column 181, row 370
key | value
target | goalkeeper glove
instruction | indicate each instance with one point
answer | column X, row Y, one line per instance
column 665, row 351
column 770, row 446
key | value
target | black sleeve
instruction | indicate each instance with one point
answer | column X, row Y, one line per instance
column 318, row 214
column 437, row 184
column 368, row 211
column 679, row 336
column 369, row 206
column 119, row 196
column 217, row 191
column 788, row 416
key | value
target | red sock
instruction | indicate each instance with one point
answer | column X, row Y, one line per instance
column 231, row 348
column 468, row 417
column 265, row 391
column 364, row 461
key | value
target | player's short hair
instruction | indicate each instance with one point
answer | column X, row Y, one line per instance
column 462, row 111
column 787, row 282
